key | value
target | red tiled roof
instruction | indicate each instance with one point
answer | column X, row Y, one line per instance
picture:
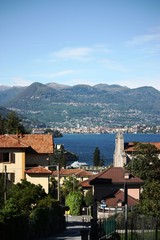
column 76, row 172
column 130, row 146
column 41, row 143
column 11, row 141
column 119, row 196
column 84, row 173
column 115, row 175
column 38, row 170
column 85, row 184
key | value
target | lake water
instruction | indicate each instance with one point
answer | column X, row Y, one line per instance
column 84, row 144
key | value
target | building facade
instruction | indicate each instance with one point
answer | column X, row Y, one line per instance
column 21, row 152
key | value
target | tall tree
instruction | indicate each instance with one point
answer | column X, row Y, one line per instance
column 96, row 157
column 74, row 200
column 25, row 195
column 97, row 161
column 89, row 198
column 150, row 203
column 13, row 124
column 71, row 184
column 146, row 165
column 2, row 125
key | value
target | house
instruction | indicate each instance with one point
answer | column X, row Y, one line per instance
column 110, row 181
column 124, row 152
column 131, row 151
column 114, row 204
column 39, row 175
column 20, row 153
column 79, row 174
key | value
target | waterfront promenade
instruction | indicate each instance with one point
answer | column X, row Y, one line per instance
column 74, row 226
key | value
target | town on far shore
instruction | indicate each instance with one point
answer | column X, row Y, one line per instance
column 98, row 129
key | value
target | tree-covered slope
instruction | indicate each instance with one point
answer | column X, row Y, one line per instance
column 99, row 104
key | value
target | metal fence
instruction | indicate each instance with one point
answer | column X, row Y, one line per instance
column 139, row 227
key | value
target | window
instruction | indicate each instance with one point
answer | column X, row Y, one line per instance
column 11, row 177
column 7, row 157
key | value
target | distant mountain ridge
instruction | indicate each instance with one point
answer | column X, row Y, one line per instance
column 102, row 104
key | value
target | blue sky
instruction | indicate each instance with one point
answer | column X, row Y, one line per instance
column 80, row 42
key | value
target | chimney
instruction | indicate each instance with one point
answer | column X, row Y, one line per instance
column 126, row 175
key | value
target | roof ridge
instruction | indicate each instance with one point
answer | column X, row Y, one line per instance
column 79, row 171
column 39, row 167
column 15, row 138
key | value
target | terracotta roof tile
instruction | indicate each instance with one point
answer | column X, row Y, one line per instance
column 76, row 172
column 119, row 196
column 85, row 184
column 130, row 146
column 10, row 141
column 115, row 175
column 84, row 173
column 38, row 170
column 41, row 143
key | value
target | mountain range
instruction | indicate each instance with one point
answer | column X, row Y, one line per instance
column 57, row 105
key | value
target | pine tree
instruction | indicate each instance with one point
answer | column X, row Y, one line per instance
column 13, row 124
column 96, row 157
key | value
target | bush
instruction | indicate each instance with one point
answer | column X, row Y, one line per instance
column 74, row 201
column 29, row 213
column 47, row 218
column 89, row 198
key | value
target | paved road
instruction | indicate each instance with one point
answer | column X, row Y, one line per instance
column 74, row 225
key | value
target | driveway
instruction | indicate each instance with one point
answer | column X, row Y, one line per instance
column 75, row 225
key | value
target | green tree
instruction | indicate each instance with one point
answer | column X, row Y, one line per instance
column 13, row 124
column 97, row 161
column 25, row 196
column 96, row 157
column 89, row 198
column 21, row 200
column 74, row 200
column 150, row 198
column 47, row 217
column 30, row 213
column 62, row 156
column 2, row 125
column 71, row 184
column 1, row 189
column 146, row 165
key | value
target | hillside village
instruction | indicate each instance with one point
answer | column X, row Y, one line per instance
column 80, row 120
column 30, row 157
column 82, row 107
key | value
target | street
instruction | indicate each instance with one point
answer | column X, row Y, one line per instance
column 74, row 224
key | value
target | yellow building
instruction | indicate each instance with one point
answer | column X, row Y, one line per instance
column 26, row 156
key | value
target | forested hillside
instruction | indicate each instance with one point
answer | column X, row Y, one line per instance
column 61, row 105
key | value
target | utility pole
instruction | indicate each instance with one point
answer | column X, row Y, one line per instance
column 5, row 183
column 58, row 182
column 126, row 209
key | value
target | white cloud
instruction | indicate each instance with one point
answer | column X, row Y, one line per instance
column 154, row 36
column 81, row 53
column 144, row 39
